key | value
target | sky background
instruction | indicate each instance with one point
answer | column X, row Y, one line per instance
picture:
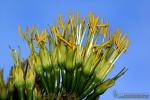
column 132, row 16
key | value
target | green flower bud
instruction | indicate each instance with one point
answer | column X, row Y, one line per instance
column 70, row 59
column 18, row 77
column 78, row 56
column 62, row 55
column 45, row 58
column 3, row 93
column 30, row 80
column 113, row 56
column 37, row 95
column 89, row 65
column 104, row 86
column 104, row 70
column 100, row 89
column 54, row 57
column 35, row 62
column 10, row 85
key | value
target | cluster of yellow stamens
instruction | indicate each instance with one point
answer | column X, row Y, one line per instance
column 82, row 49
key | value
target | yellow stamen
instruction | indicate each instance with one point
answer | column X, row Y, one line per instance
column 108, row 43
column 78, row 17
column 41, row 38
column 104, row 28
column 65, row 41
column 55, row 30
column 26, row 34
column 127, row 44
column 72, row 22
column 61, row 23
column 19, row 31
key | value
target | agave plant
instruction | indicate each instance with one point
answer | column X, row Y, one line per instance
column 68, row 62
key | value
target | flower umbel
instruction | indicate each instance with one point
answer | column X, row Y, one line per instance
column 69, row 61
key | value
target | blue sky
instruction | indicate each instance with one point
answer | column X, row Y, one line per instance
column 132, row 16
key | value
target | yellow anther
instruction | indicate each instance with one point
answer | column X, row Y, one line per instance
column 127, row 44
column 41, row 38
column 104, row 28
column 55, row 30
column 61, row 23
column 107, row 43
column 78, row 17
column 66, row 42
column 19, row 31
column 72, row 21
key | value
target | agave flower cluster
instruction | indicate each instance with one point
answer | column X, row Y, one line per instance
column 71, row 61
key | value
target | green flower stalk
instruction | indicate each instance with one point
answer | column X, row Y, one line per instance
column 67, row 62
column 56, row 70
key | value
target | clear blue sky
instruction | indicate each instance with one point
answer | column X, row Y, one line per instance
column 132, row 16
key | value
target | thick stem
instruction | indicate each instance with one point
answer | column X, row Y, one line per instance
column 52, row 75
column 57, row 79
column 92, row 96
column 10, row 95
column 63, row 71
column 48, row 78
column 89, row 82
column 88, row 90
column 78, row 80
column 82, row 84
column 21, row 93
column 30, row 94
column 44, row 83
column 69, row 80
column 74, row 79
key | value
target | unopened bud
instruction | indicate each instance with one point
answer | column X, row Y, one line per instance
column 54, row 57
column 45, row 58
column 70, row 59
column 78, row 56
column 3, row 93
column 10, row 85
column 18, row 76
column 104, row 86
column 35, row 62
column 62, row 55
column 88, row 65
column 103, row 71
column 30, row 80
column 37, row 95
